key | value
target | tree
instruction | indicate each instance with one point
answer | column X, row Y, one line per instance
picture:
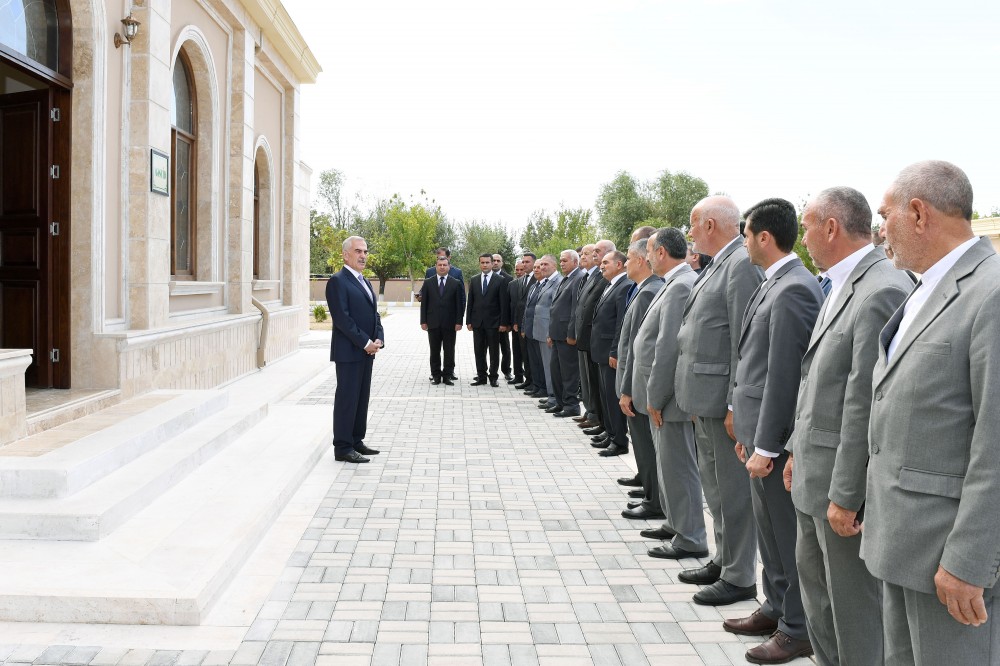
column 330, row 192
column 325, row 244
column 571, row 229
column 475, row 238
column 373, row 228
column 621, row 204
column 410, row 234
column 676, row 194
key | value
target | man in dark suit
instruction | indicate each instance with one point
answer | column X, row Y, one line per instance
column 590, row 292
column 774, row 335
column 565, row 362
column 505, row 351
column 487, row 316
column 828, row 454
column 441, row 310
column 453, row 271
column 538, row 387
column 357, row 338
column 608, row 316
column 521, row 287
column 514, row 295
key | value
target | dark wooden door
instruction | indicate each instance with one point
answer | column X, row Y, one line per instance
column 25, row 241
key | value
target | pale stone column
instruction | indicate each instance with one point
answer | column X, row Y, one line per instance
column 149, row 93
column 239, row 249
column 13, row 423
column 295, row 272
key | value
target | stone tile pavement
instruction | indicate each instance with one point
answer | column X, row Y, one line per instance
column 485, row 533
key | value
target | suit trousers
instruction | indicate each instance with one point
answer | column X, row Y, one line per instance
column 583, row 361
column 350, row 404
column 483, row 340
column 842, row 600
column 515, row 353
column 535, row 360
column 545, row 354
column 727, row 491
column 438, row 338
column 524, row 343
column 505, row 353
column 920, row 632
column 774, row 514
column 645, row 459
column 591, row 377
column 680, row 483
column 566, row 375
column 614, row 419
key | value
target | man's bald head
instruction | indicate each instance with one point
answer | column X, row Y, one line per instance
column 715, row 222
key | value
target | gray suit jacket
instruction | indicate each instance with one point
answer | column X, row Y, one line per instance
column 830, row 439
column 656, row 347
column 710, row 331
column 775, row 333
column 564, row 302
column 934, row 473
column 634, row 314
column 608, row 316
column 583, row 321
column 540, row 325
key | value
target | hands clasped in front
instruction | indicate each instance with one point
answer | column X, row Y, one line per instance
column 373, row 347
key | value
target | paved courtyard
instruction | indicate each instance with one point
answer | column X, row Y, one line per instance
column 486, row 532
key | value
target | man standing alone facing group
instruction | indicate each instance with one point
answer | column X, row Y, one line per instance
column 441, row 310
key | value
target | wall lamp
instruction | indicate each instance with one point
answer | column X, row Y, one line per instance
column 131, row 29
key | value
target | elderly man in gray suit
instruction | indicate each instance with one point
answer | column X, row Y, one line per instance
column 647, row 286
column 546, row 290
column 930, row 528
column 565, row 364
column 827, row 466
column 706, row 368
column 775, row 333
column 656, row 354
column 608, row 316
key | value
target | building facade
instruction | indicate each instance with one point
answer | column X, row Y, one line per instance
column 154, row 211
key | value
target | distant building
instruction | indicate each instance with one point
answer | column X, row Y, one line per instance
column 988, row 226
column 150, row 192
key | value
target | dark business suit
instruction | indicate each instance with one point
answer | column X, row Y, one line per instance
column 441, row 309
column 356, row 321
column 486, row 311
column 776, row 329
column 565, row 360
column 515, row 296
column 504, row 337
column 534, row 355
column 583, row 322
column 608, row 316
column 521, row 287
column 453, row 271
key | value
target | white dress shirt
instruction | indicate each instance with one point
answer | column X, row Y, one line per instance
column 928, row 281
column 614, row 281
column 839, row 273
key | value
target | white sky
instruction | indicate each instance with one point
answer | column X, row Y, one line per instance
column 500, row 109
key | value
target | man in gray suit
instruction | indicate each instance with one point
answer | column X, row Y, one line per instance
column 706, row 368
column 647, row 286
column 565, row 364
column 656, row 353
column 930, row 529
column 548, row 282
column 774, row 336
column 608, row 316
column 828, row 460
column 522, row 287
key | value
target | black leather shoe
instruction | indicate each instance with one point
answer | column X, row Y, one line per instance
column 566, row 414
column 658, row 533
column 352, row 457
column 597, row 430
column 668, row 552
column 630, row 481
column 705, row 575
column 365, row 450
column 436, row 381
column 600, row 443
column 599, row 438
column 494, row 383
column 454, row 377
column 554, row 409
column 637, row 493
column 478, row 382
column 448, row 382
column 615, row 450
column 544, row 397
column 510, row 378
column 721, row 593
column 515, row 381
column 640, row 512
column 533, row 393
column 520, row 386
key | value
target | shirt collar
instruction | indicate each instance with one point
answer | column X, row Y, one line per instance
column 840, row 271
column 934, row 274
column 357, row 275
column 769, row 273
column 724, row 247
column 616, row 278
column 678, row 267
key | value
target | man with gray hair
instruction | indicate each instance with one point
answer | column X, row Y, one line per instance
column 828, row 460
column 588, row 266
column 565, row 366
column 548, row 282
column 930, row 529
column 706, row 371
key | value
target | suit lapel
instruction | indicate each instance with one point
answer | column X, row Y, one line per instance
column 659, row 294
column 370, row 295
column 761, row 292
column 712, row 269
column 843, row 298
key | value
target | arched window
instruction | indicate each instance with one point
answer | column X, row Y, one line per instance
column 31, row 28
column 256, row 220
column 183, row 232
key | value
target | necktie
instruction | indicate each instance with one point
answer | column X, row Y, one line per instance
column 826, row 284
column 631, row 294
column 441, row 287
column 364, row 285
column 486, row 281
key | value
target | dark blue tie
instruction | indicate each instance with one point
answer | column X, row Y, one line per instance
column 441, row 287
column 826, row 284
column 631, row 294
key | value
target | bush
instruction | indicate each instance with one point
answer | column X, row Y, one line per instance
column 319, row 313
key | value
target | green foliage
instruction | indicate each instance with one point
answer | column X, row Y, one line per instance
column 325, row 244
column 571, row 229
column 800, row 249
column 330, row 193
column 676, row 194
column 410, row 235
column 372, row 226
column 626, row 204
column 476, row 238
column 319, row 313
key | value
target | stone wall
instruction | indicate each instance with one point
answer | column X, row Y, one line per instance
column 13, row 363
